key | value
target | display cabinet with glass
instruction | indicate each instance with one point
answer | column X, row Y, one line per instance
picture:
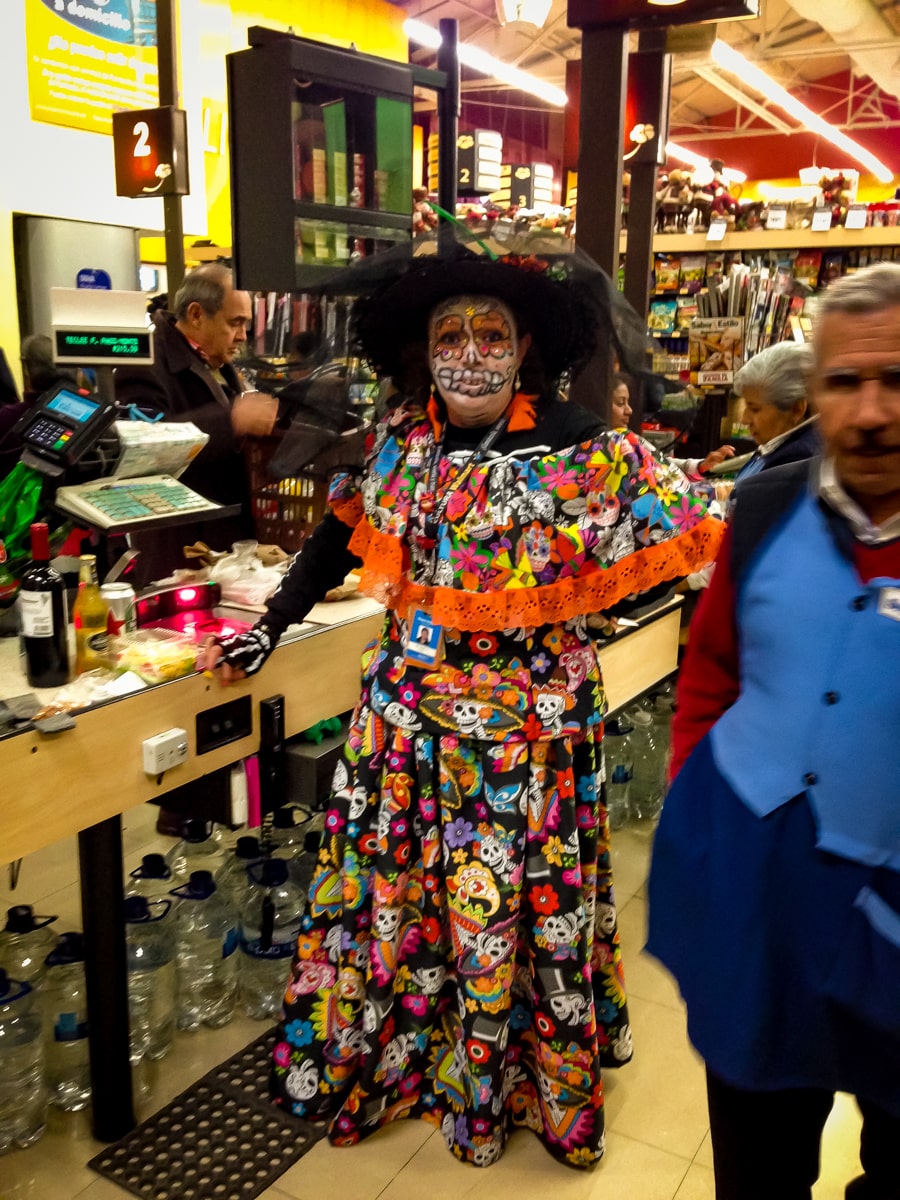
column 321, row 159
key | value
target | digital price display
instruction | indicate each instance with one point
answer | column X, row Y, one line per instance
column 92, row 346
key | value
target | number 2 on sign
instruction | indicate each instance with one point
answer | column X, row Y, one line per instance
column 141, row 147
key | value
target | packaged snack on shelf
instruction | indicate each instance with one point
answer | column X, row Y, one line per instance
column 693, row 272
column 832, row 267
column 156, row 655
column 715, row 270
column 661, row 319
column 686, row 310
column 668, row 272
column 806, row 267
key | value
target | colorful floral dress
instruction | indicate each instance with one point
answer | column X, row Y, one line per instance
column 460, row 957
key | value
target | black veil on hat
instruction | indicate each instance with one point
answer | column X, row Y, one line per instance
column 560, row 295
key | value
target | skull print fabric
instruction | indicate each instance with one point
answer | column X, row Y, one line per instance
column 460, row 959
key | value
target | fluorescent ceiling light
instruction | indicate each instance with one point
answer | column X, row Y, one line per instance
column 533, row 12
column 697, row 160
column 730, row 60
column 486, row 64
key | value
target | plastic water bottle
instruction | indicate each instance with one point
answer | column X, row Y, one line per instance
column 205, row 962
column 307, row 861
column 663, row 712
column 64, row 1002
column 231, row 877
column 617, row 753
column 25, row 942
column 286, row 838
column 152, row 879
column 269, row 924
column 199, row 849
column 23, row 1092
column 150, row 937
column 645, row 797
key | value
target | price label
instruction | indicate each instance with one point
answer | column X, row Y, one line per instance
column 821, row 221
column 716, row 231
column 777, row 217
column 856, row 216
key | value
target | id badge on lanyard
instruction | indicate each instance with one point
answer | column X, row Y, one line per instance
column 424, row 639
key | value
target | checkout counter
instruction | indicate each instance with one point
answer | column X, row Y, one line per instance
column 80, row 780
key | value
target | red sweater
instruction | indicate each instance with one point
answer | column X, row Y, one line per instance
column 709, row 679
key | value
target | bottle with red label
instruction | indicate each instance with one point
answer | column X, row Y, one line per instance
column 43, row 619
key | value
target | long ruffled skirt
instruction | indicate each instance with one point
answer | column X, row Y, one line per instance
column 459, row 959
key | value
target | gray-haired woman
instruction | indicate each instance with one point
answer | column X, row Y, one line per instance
column 773, row 386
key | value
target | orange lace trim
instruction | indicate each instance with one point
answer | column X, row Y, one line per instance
column 349, row 511
column 384, row 566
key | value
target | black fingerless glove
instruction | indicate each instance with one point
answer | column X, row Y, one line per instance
column 248, row 650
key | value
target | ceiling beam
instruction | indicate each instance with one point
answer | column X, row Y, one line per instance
column 729, row 89
column 703, row 133
column 541, row 37
column 830, row 49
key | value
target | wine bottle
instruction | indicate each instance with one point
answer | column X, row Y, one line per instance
column 42, row 616
column 89, row 615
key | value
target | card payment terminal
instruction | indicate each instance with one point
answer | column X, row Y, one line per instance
column 61, row 426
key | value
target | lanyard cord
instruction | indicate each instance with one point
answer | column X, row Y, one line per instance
column 435, row 516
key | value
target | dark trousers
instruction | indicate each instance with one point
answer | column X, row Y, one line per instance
column 766, row 1144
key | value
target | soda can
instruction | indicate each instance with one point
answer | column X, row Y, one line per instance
column 121, row 616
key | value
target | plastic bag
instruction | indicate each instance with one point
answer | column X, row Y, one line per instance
column 20, row 495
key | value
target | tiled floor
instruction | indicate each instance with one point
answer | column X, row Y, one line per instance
column 658, row 1142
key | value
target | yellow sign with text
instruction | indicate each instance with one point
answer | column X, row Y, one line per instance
column 90, row 58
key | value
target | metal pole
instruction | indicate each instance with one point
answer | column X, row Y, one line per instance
column 106, row 978
column 604, row 71
column 448, row 127
column 167, row 61
column 655, row 74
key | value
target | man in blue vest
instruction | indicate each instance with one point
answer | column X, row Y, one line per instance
column 775, row 883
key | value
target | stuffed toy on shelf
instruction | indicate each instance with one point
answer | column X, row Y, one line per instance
column 673, row 202
column 713, row 199
column 835, row 191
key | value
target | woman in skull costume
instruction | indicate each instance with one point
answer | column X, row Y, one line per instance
column 459, row 959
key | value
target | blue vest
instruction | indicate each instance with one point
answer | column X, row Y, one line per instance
column 819, row 707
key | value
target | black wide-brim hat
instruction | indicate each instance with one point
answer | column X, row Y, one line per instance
column 565, row 312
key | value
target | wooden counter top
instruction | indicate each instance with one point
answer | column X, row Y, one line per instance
column 54, row 785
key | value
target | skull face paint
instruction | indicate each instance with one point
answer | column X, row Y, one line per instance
column 475, row 352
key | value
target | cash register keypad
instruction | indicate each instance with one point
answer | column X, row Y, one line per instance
column 130, row 502
column 49, row 433
column 124, row 502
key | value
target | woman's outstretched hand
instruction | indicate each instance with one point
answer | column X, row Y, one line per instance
column 715, row 457
column 211, row 659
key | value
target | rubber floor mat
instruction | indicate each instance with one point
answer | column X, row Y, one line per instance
column 221, row 1139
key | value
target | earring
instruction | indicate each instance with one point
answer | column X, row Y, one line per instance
column 517, row 383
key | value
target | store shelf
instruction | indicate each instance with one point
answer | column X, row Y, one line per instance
column 837, row 238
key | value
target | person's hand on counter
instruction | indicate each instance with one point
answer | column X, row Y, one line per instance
column 211, row 660
column 237, row 656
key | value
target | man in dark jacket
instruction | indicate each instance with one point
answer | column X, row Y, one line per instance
column 194, row 379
